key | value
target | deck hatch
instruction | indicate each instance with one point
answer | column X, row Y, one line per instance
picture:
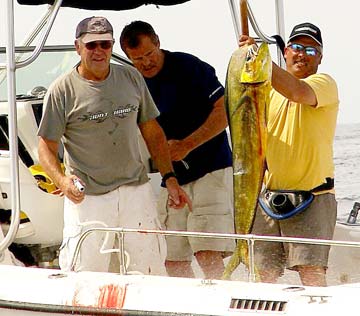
column 257, row 305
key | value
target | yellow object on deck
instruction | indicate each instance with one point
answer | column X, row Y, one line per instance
column 43, row 180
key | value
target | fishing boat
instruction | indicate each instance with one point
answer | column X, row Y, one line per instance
column 32, row 217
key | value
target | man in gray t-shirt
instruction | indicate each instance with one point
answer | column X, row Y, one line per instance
column 95, row 110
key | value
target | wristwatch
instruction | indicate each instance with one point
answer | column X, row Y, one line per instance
column 168, row 175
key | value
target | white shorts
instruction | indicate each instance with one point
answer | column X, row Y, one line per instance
column 126, row 207
column 212, row 202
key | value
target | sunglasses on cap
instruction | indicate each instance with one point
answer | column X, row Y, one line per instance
column 309, row 50
column 102, row 44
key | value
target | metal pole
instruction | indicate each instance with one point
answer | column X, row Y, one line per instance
column 235, row 19
column 12, row 118
column 122, row 259
column 54, row 11
column 280, row 28
column 251, row 250
column 11, row 67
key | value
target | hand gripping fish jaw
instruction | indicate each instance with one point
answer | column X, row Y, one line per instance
column 257, row 58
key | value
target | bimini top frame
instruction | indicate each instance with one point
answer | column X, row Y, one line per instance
column 11, row 65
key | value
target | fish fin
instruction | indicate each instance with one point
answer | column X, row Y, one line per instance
column 232, row 265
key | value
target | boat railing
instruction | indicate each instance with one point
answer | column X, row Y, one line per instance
column 250, row 239
column 11, row 65
column 280, row 26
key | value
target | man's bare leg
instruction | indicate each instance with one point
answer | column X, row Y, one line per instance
column 268, row 276
column 179, row 269
column 211, row 263
column 312, row 275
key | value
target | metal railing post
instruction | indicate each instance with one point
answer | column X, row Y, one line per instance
column 12, row 118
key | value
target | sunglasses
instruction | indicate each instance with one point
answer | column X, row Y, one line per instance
column 102, row 44
column 309, row 50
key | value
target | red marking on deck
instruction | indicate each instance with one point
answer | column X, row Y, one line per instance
column 106, row 296
column 111, row 295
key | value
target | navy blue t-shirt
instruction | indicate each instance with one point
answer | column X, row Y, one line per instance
column 185, row 91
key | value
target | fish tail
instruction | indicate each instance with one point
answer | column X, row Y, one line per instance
column 232, row 264
column 240, row 255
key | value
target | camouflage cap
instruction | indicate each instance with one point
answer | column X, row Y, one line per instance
column 95, row 28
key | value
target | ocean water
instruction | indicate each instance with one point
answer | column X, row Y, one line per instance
column 347, row 167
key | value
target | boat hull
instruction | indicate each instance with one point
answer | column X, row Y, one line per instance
column 31, row 291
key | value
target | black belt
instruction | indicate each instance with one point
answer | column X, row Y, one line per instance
column 324, row 186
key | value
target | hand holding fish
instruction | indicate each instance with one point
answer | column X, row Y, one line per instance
column 246, row 40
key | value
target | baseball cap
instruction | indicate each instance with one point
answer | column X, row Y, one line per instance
column 95, row 28
column 307, row 29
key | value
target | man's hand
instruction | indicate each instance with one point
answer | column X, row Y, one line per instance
column 178, row 149
column 70, row 190
column 177, row 196
column 246, row 40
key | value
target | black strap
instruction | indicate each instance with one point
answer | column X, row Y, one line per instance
column 167, row 176
column 325, row 186
column 280, row 43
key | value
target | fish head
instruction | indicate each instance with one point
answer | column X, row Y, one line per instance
column 258, row 64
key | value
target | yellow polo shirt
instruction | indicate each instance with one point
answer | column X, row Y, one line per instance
column 300, row 138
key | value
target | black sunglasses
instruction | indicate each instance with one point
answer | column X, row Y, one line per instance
column 102, row 44
column 309, row 50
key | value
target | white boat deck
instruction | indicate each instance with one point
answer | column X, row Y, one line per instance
column 40, row 290
column 36, row 291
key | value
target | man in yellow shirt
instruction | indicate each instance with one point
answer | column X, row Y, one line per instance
column 299, row 200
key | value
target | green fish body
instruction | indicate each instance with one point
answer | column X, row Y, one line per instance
column 247, row 90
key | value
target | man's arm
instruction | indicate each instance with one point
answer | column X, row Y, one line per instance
column 49, row 161
column 214, row 125
column 155, row 140
column 285, row 83
column 294, row 89
column 156, row 143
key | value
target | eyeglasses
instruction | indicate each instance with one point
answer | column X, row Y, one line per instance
column 102, row 44
column 309, row 50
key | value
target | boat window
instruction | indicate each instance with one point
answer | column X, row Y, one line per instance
column 37, row 109
column 4, row 142
column 41, row 73
column 53, row 62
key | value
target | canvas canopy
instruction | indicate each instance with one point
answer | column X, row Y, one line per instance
column 103, row 4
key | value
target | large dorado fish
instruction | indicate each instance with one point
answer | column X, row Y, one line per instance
column 247, row 89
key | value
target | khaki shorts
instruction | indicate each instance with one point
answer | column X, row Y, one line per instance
column 126, row 207
column 317, row 221
column 212, row 202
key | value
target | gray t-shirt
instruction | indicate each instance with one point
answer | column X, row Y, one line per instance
column 98, row 125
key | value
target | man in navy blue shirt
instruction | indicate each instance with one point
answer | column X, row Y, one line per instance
column 190, row 99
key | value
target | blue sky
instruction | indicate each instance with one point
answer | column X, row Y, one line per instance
column 204, row 28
